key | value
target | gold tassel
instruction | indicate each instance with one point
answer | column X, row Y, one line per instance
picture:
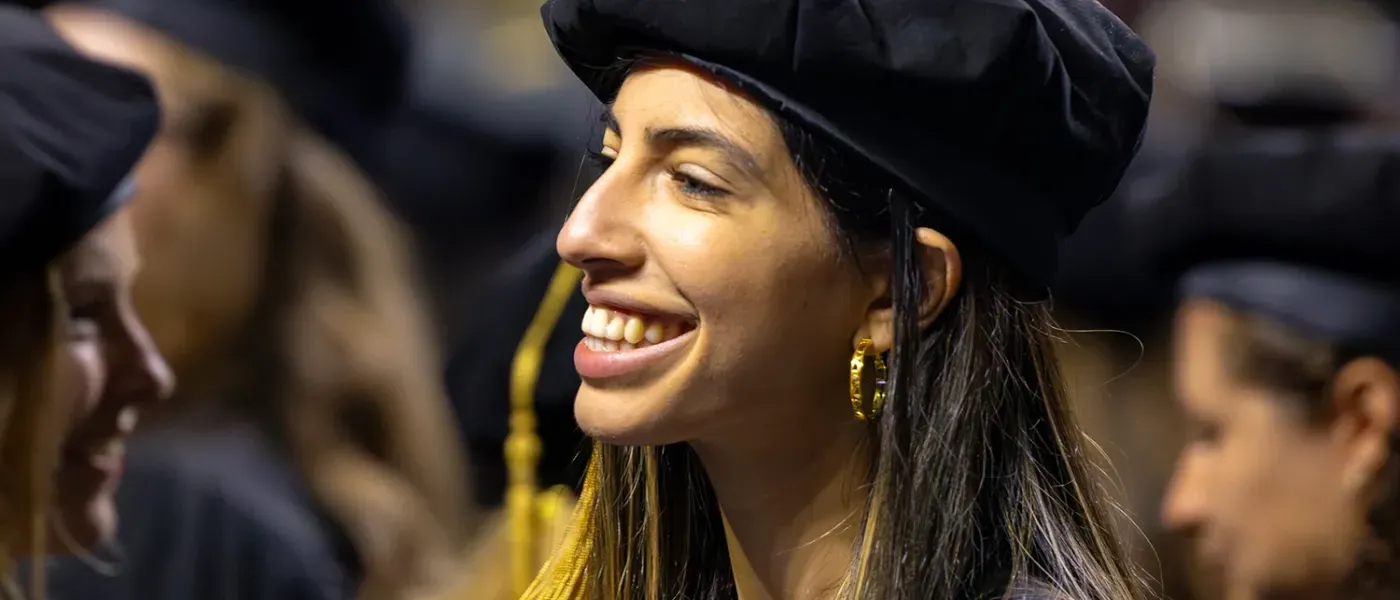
column 522, row 448
column 564, row 577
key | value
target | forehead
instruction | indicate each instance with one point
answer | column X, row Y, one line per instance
column 676, row 95
column 1199, row 347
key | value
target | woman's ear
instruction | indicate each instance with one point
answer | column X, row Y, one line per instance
column 1366, row 400
column 942, row 273
column 942, row 270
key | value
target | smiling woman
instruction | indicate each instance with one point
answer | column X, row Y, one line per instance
column 75, row 363
column 813, row 311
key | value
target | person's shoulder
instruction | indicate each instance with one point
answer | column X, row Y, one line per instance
column 232, row 481
column 208, row 513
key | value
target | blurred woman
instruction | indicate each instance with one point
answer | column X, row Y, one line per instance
column 310, row 453
column 812, row 358
column 76, row 365
column 1287, row 360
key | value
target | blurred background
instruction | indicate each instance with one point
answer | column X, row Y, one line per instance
column 485, row 158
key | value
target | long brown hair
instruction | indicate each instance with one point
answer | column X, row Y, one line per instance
column 329, row 353
column 31, row 421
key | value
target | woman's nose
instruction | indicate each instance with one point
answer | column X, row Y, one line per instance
column 149, row 377
column 599, row 237
column 1184, row 502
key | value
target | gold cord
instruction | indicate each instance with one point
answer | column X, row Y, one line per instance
column 522, row 448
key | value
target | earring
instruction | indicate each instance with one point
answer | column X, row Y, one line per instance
column 857, row 388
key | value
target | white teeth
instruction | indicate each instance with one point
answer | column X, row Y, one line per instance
column 632, row 332
column 615, row 326
column 607, row 331
column 595, row 321
column 600, row 321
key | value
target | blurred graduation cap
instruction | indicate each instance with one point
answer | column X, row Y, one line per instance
column 1261, row 64
column 1100, row 284
column 474, row 154
column 1294, row 224
column 340, row 64
column 71, row 130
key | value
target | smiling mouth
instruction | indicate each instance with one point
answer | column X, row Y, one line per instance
column 612, row 330
column 105, row 456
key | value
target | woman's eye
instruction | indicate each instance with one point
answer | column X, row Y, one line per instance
column 1206, row 434
column 84, row 320
column 694, row 187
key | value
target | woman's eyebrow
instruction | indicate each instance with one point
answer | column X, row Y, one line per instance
column 701, row 137
column 609, row 120
column 695, row 137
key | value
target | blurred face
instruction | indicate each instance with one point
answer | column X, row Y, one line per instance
column 203, row 186
column 113, row 370
column 721, row 301
column 1260, row 488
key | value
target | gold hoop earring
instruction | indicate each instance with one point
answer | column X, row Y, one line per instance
column 877, row 398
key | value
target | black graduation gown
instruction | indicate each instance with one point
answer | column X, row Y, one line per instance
column 214, row 514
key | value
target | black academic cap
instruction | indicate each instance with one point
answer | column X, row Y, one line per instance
column 340, row 64
column 1013, row 117
column 478, row 155
column 1297, row 224
column 71, row 130
column 1100, row 282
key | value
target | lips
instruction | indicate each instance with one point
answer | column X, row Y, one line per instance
column 617, row 343
column 105, row 459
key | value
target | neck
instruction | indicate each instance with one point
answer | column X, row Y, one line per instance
column 792, row 504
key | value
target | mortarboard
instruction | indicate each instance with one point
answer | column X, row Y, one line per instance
column 341, row 65
column 1100, row 284
column 71, row 129
column 1294, row 224
column 1011, row 117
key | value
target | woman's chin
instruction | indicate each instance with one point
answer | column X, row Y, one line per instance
column 626, row 417
column 82, row 526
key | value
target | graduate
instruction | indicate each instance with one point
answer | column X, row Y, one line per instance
column 310, row 453
column 77, row 367
column 1280, row 240
column 814, row 359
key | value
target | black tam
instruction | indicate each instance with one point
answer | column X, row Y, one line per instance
column 1296, row 224
column 71, row 130
column 1013, row 117
column 341, row 64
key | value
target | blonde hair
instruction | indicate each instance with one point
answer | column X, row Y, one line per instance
column 31, row 422
column 334, row 358
column 359, row 346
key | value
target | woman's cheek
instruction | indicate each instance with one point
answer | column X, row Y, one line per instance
column 80, row 384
